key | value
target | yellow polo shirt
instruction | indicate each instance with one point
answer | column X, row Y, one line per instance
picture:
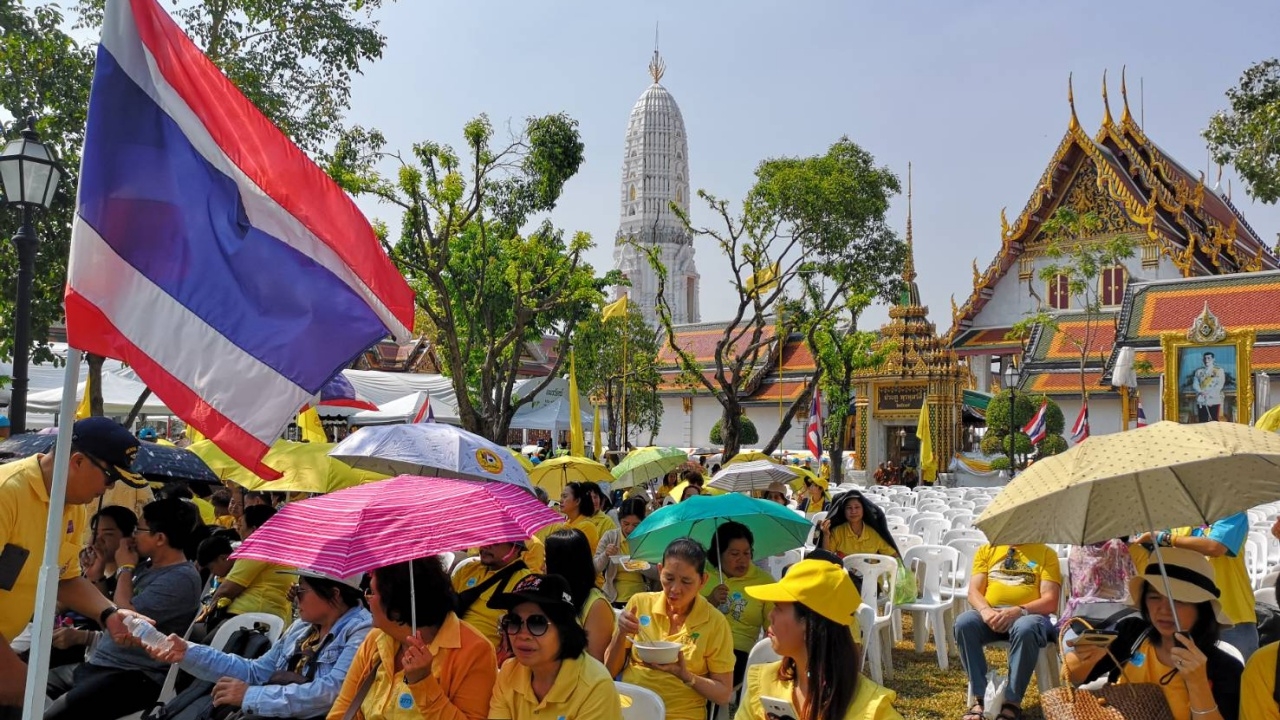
column 266, row 589
column 1257, row 685
column 583, row 690
column 24, row 511
column 480, row 616
column 747, row 616
column 603, row 524
column 845, row 542
column 1019, row 583
column 870, row 701
column 708, row 648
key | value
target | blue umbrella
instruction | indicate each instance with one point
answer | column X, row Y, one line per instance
column 430, row 449
column 162, row 463
column 776, row 528
column 26, row 444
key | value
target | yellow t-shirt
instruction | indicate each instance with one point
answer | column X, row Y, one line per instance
column 870, row 702
column 844, row 542
column 627, row 583
column 480, row 616
column 266, row 588
column 747, row 616
column 582, row 690
column 24, row 511
column 708, row 648
column 603, row 524
column 588, row 528
column 594, row 597
column 1145, row 667
column 1019, row 583
column 1257, row 685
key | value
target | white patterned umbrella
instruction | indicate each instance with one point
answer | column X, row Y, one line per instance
column 754, row 475
column 430, row 449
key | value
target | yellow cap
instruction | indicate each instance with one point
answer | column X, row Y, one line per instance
column 821, row 586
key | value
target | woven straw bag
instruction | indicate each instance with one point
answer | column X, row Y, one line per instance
column 1130, row 701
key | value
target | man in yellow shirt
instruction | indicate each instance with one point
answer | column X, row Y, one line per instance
column 1258, row 697
column 101, row 453
column 255, row 585
column 500, row 567
column 1013, row 590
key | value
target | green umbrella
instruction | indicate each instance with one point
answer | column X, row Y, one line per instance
column 647, row 464
column 776, row 529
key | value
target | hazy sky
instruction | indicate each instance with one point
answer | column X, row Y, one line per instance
column 972, row 93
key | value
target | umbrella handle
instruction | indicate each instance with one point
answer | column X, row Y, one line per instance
column 1164, row 575
column 413, row 602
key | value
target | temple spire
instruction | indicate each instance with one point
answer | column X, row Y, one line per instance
column 1124, row 94
column 909, row 266
column 657, row 68
column 1106, row 105
column 1071, row 100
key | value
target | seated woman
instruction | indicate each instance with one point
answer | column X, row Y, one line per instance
column 819, row 674
column 551, row 675
column 621, row 584
column 857, row 525
column 252, row 585
column 731, row 549
column 569, row 557
column 301, row 674
column 579, row 508
column 1199, row 680
column 704, row 668
column 444, row 671
column 814, row 499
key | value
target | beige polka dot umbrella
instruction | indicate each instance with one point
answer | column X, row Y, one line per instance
column 1165, row 475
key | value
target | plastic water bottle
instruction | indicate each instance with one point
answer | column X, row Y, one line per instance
column 147, row 633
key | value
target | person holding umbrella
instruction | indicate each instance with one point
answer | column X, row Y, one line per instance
column 731, row 550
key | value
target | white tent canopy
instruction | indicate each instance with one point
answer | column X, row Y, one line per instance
column 402, row 409
column 119, row 394
column 554, row 416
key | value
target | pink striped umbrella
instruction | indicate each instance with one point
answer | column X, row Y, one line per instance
column 391, row 521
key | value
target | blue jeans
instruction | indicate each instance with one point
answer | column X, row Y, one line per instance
column 1243, row 636
column 1026, row 638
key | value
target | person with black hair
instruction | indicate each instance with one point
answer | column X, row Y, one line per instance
column 601, row 518
column 569, row 557
column 819, row 674
column 620, row 584
column 443, row 670
column 299, row 677
column 500, row 565
column 117, row 679
column 857, row 525
column 254, row 585
column 551, row 674
column 111, row 525
column 704, row 668
column 213, row 557
column 731, row 554
column 221, row 502
column 579, row 508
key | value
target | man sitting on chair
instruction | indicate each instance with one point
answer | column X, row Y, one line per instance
column 1013, row 590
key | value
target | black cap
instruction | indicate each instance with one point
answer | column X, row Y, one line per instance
column 112, row 445
column 545, row 590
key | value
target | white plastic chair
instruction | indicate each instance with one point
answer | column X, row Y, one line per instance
column 463, row 563
column 778, row 563
column 812, row 539
column 879, row 582
column 934, row 567
column 447, row 559
column 929, row 527
column 897, row 526
column 963, row 534
column 274, row 623
column 904, row 513
column 762, row 652
column 868, row 638
column 645, row 704
column 908, row 541
column 963, row 521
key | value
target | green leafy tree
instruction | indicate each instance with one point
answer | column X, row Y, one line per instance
column 599, row 351
column 997, row 438
column 820, row 217
column 487, row 289
column 747, row 433
column 1247, row 136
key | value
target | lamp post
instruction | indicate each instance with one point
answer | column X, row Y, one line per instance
column 29, row 175
column 1011, row 377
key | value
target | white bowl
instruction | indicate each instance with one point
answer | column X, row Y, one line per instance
column 658, row 652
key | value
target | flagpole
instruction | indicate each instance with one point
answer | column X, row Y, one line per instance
column 624, row 385
column 47, row 584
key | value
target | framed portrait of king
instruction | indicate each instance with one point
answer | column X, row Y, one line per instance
column 1210, row 380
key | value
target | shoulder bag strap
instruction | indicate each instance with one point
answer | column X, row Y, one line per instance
column 354, row 708
column 468, row 597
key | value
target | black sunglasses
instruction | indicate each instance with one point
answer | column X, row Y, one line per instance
column 536, row 624
column 108, row 474
column 1010, row 561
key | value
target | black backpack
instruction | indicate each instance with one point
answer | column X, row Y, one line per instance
column 196, row 701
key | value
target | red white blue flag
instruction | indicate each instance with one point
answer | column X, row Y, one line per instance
column 341, row 393
column 208, row 252
column 424, row 413
column 1080, row 430
column 813, row 431
column 1142, row 416
column 1037, row 429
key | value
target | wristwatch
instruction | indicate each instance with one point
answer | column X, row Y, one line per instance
column 102, row 618
column 692, row 679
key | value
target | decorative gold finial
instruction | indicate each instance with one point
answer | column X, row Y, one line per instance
column 1125, row 117
column 1071, row 100
column 1106, row 105
column 657, row 68
column 1206, row 328
column 909, row 266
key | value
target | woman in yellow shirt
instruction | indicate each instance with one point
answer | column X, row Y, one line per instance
column 445, row 671
column 579, row 507
column 551, row 674
column 819, row 674
column 569, row 557
column 857, row 525
column 731, row 549
column 619, row 583
column 704, row 668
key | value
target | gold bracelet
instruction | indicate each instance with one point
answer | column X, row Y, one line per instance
column 123, row 568
column 1210, row 711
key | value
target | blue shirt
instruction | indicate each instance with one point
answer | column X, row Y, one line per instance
column 1231, row 531
column 301, row 700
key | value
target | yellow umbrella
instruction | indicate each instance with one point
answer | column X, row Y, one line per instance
column 677, row 492
column 553, row 475
column 1270, row 420
column 307, row 468
column 807, row 474
column 520, row 458
column 750, row 455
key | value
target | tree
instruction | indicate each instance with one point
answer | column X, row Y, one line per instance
column 1248, row 135
column 486, row 288
column 997, row 438
column 746, row 432
column 598, row 350
column 820, row 217
column 1081, row 259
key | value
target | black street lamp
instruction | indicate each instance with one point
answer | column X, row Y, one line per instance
column 29, row 176
column 1011, row 377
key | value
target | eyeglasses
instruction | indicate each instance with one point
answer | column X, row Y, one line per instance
column 148, row 531
column 536, row 624
column 1010, row 560
column 108, row 477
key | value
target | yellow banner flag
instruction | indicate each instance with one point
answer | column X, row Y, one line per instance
column 193, row 434
column 598, row 443
column 928, row 461
column 84, row 410
column 618, row 308
column 310, row 429
column 765, row 280
column 577, row 442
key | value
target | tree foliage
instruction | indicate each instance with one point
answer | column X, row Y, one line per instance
column 747, row 432
column 997, row 437
column 605, row 350
column 821, row 218
column 486, row 288
column 1247, row 135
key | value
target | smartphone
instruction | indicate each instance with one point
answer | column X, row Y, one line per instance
column 778, row 708
column 1096, row 638
column 12, row 560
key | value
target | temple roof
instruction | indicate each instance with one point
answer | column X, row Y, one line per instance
column 764, row 381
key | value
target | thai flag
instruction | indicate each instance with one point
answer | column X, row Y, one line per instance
column 1080, row 430
column 425, row 413
column 208, row 252
column 813, row 432
column 1142, row 416
column 1036, row 428
column 341, row 393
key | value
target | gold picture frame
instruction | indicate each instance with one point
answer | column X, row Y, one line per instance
column 1182, row 403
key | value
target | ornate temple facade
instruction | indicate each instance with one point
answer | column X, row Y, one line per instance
column 655, row 174
column 1182, row 229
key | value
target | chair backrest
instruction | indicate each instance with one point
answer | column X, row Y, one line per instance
column 463, row 563
column 963, row 534
column 963, row 521
column 1231, row 650
column 932, row 532
column 966, row 547
column 812, row 539
column 447, row 559
column 962, row 504
column 900, row 512
column 897, row 526
column 866, row 626
column 274, row 623
column 644, row 704
column 779, row 563
column 879, row 580
column 933, row 506
column 934, row 566
column 925, row 519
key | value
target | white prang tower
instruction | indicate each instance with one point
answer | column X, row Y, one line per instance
column 655, row 174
